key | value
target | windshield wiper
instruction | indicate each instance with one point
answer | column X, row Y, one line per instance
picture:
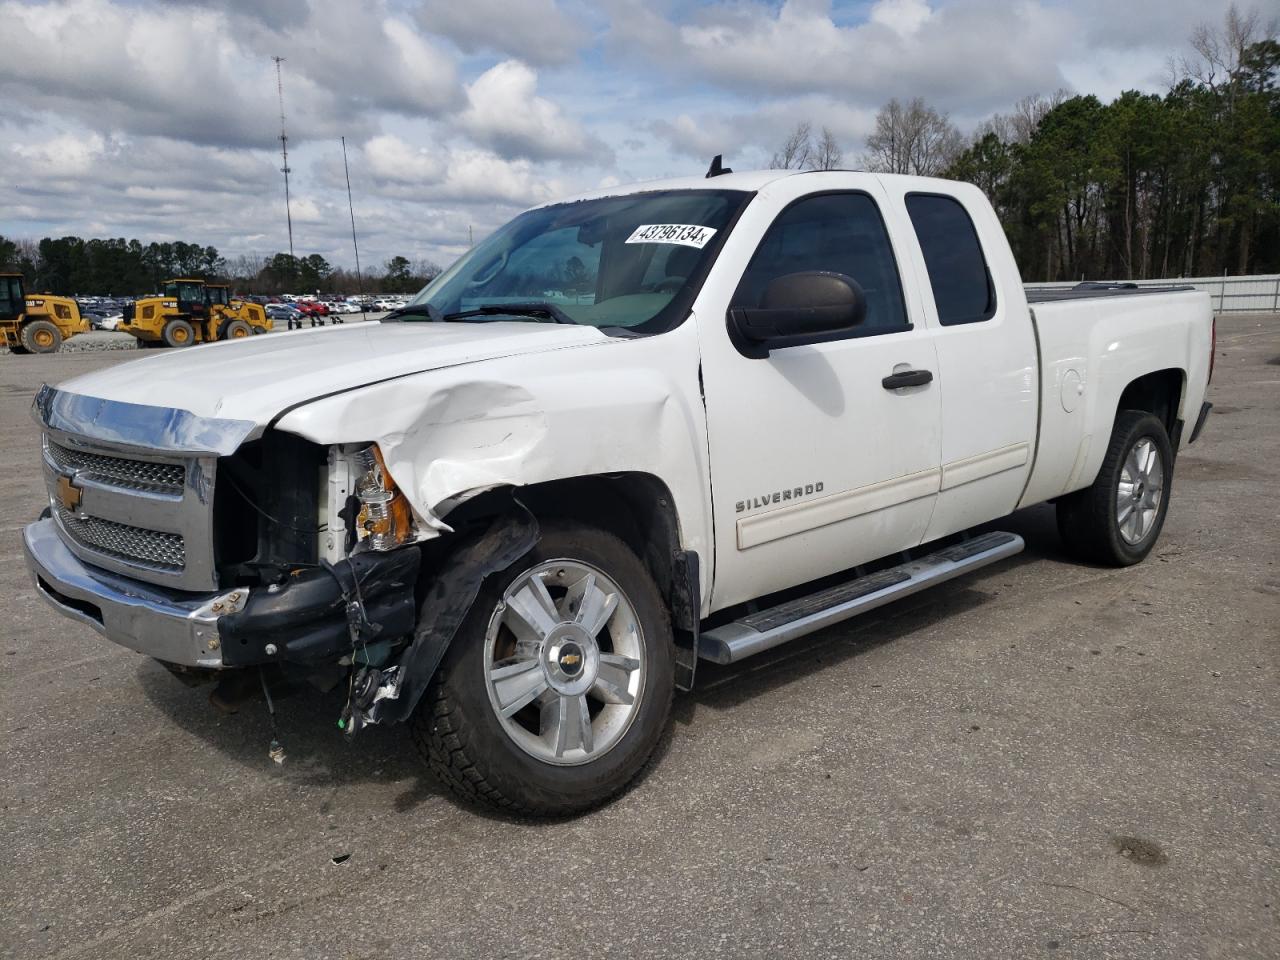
column 533, row 309
column 428, row 310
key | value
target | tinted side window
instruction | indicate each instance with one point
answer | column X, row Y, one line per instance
column 962, row 287
column 841, row 233
column 8, row 308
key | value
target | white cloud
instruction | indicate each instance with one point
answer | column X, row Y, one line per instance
column 506, row 114
column 903, row 17
column 202, row 75
column 944, row 56
column 536, row 31
column 392, row 160
column 64, row 155
column 464, row 175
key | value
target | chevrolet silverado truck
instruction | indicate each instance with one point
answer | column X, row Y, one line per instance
column 691, row 419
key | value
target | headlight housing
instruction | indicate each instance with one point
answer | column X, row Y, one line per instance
column 385, row 520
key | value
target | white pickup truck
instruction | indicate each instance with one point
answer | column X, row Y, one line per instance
column 680, row 420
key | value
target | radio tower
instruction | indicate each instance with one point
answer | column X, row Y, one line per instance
column 284, row 154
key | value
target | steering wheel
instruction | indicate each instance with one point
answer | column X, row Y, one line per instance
column 669, row 284
column 481, row 279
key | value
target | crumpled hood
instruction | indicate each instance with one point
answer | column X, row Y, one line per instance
column 256, row 378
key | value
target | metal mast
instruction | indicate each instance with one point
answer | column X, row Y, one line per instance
column 352, row 209
column 284, row 153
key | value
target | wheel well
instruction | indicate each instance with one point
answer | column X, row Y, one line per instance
column 636, row 507
column 1159, row 393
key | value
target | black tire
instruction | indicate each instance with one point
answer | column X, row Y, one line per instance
column 41, row 336
column 458, row 731
column 231, row 329
column 1088, row 520
column 179, row 333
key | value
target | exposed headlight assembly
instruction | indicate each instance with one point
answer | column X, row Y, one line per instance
column 385, row 520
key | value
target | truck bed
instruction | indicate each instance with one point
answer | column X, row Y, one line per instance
column 1091, row 346
column 1090, row 290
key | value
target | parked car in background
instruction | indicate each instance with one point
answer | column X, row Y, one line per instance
column 286, row 312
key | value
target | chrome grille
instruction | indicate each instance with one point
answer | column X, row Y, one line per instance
column 151, row 548
column 118, row 471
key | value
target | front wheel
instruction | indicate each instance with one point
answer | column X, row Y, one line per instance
column 234, row 330
column 557, row 686
column 179, row 333
column 1117, row 520
column 41, row 336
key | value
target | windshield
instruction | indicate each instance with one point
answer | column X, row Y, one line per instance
column 632, row 261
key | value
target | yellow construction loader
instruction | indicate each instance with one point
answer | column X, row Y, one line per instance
column 38, row 323
column 192, row 311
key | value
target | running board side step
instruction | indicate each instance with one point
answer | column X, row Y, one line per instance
column 769, row 628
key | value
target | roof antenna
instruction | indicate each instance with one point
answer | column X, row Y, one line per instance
column 717, row 168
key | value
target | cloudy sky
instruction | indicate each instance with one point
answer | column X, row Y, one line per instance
column 159, row 120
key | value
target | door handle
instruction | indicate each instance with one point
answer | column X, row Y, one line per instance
column 907, row 378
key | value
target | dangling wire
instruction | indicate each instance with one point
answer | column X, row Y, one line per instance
column 276, row 750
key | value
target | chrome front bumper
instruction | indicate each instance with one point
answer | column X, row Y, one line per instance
column 166, row 624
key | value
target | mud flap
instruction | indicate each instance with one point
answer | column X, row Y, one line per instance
column 508, row 538
column 686, row 609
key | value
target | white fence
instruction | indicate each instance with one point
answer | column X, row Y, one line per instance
column 1257, row 294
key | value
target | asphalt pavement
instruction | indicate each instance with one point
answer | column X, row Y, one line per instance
column 1043, row 759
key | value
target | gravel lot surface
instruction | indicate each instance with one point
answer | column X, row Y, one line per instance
column 1041, row 760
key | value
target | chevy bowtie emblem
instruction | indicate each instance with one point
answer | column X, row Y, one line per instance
column 68, row 494
column 570, row 660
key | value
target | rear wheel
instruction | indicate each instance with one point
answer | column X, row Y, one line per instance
column 234, row 330
column 1118, row 519
column 179, row 333
column 41, row 336
column 558, row 684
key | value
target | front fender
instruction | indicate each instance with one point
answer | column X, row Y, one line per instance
column 618, row 406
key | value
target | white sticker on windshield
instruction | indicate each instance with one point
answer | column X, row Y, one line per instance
column 685, row 234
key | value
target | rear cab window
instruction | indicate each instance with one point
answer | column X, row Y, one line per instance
column 963, row 290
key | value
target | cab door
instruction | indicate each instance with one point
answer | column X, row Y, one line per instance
column 989, row 377
column 818, row 462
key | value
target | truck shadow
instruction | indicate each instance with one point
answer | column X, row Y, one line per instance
column 721, row 687
column 319, row 755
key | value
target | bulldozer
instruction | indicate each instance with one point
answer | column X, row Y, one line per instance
column 192, row 311
column 37, row 323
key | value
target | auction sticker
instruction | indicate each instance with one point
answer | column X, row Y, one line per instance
column 685, row 234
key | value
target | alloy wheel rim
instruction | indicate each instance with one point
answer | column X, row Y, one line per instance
column 1140, row 491
column 564, row 662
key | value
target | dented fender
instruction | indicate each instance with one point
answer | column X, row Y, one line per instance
column 617, row 405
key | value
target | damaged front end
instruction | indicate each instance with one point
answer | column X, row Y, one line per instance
column 232, row 553
column 380, row 603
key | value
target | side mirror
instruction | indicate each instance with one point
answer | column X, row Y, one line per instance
column 799, row 308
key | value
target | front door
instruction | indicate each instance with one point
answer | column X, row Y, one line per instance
column 816, row 465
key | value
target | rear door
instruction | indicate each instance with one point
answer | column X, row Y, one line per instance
column 816, row 466
column 987, row 358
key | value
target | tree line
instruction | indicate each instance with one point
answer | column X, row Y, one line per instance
column 118, row 267
column 1186, row 183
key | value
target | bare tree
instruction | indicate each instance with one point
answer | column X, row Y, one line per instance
column 795, row 150
column 1020, row 124
column 1219, row 50
column 912, row 138
column 826, row 153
